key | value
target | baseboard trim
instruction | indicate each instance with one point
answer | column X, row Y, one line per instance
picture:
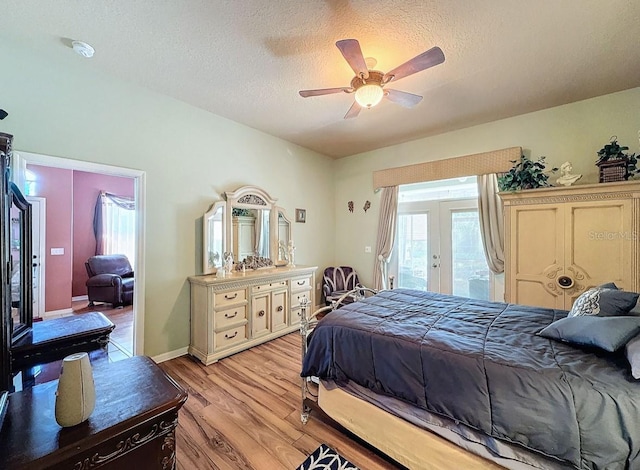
column 57, row 313
column 80, row 297
column 170, row 355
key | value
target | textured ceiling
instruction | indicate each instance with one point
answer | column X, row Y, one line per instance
column 247, row 59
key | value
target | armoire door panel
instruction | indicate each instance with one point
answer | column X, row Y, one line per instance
column 538, row 294
column 537, row 249
column 599, row 241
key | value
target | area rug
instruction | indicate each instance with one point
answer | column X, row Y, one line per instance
column 325, row 458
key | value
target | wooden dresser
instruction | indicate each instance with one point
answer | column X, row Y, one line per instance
column 132, row 426
column 561, row 241
column 239, row 311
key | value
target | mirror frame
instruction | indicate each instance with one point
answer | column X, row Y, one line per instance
column 206, row 267
column 25, row 260
column 282, row 261
column 246, row 197
column 251, row 197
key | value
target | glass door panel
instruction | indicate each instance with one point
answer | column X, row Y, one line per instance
column 469, row 270
column 413, row 251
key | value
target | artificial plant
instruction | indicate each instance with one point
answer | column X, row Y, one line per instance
column 525, row 174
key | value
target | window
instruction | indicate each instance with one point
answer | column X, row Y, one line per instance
column 116, row 226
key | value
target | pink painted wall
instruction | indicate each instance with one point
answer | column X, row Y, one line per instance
column 86, row 187
column 56, row 185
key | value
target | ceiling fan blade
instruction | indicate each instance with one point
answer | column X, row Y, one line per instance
column 408, row 100
column 352, row 53
column 324, row 91
column 433, row 56
column 354, row 110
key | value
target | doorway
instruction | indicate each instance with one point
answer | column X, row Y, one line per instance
column 23, row 158
column 438, row 243
column 38, row 244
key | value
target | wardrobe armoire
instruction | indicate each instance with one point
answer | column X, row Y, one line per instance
column 560, row 241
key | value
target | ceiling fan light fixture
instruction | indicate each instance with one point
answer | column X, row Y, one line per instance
column 83, row 49
column 369, row 95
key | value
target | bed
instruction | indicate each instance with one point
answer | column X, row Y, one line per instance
column 478, row 374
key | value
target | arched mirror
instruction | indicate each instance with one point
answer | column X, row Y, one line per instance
column 247, row 224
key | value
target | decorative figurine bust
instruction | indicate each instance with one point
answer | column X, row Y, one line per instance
column 566, row 178
column 292, row 253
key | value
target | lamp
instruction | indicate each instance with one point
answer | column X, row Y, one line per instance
column 83, row 49
column 369, row 95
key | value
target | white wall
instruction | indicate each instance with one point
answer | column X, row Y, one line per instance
column 68, row 109
column 573, row 132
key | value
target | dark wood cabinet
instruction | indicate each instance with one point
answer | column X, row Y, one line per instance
column 132, row 426
column 15, row 263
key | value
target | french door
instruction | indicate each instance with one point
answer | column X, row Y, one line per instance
column 439, row 248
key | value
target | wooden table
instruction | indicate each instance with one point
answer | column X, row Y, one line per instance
column 132, row 426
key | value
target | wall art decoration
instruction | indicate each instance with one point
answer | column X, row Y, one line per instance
column 367, row 205
column 301, row 215
column 350, row 206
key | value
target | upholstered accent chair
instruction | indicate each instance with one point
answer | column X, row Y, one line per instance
column 110, row 280
column 338, row 280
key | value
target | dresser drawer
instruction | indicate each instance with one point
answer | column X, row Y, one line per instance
column 296, row 298
column 232, row 297
column 230, row 316
column 303, row 283
column 296, row 316
column 228, row 338
column 270, row 286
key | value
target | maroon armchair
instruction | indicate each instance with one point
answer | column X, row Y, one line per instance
column 338, row 280
column 110, row 280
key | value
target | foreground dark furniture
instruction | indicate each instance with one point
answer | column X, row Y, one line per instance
column 110, row 280
column 338, row 280
column 52, row 340
column 132, row 426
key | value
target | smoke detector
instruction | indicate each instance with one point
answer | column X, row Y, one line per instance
column 82, row 48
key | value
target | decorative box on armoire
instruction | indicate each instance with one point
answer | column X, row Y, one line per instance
column 560, row 241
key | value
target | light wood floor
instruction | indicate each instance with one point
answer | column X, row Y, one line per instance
column 243, row 412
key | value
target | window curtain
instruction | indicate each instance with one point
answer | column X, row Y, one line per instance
column 386, row 235
column 491, row 221
column 114, row 225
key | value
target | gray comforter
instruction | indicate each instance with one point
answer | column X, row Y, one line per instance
column 481, row 363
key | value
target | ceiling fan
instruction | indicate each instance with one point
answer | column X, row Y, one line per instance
column 368, row 85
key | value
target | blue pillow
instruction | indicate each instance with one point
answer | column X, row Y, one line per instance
column 632, row 351
column 604, row 301
column 608, row 333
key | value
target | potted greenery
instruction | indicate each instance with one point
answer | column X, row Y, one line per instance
column 614, row 163
column 525, row 174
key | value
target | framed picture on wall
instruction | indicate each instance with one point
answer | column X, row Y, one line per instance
column 301, row 215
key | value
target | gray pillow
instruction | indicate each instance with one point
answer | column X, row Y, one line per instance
column 632, row 351
column 604, row 301
column 608, row 333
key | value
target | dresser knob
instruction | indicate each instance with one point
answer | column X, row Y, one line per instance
column 280, row 308
column 261, row 313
